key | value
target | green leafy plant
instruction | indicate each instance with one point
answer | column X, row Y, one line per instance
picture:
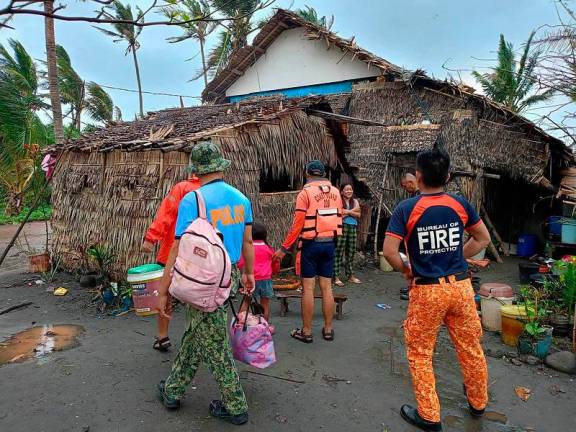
column 50, row 275
column 104, row 258
column 569, row 291
column 534, row 300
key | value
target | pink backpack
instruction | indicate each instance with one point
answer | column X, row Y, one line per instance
column 202, row 271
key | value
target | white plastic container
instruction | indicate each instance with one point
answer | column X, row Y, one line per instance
column 492, row 297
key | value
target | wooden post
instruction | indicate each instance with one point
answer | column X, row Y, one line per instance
column 380, row 202
column 492, row 229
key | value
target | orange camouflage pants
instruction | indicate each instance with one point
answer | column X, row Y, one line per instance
column 451, row 303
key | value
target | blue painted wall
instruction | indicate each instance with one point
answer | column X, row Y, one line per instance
column 318, row 89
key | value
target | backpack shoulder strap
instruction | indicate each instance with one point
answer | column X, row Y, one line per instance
column 201, row 204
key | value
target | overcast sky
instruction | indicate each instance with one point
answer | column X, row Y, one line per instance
column 425, row 34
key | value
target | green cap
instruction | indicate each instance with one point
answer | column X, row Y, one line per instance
column 206, row 157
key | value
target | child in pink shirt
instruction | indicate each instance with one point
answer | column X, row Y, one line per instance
column 264, row 268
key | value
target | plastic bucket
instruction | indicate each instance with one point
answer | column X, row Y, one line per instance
column 514, row 318
column 492, row 297
column 145, row 281
column 527, row 245
column 569, row 231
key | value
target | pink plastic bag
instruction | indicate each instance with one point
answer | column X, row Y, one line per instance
column 251, row 341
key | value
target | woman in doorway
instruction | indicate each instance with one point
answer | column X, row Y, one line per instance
column 346, row 245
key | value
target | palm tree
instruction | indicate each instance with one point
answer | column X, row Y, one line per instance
column 310, row 15
column 70, row 85
column 129, row 33
column 99, row 104
column 512, row 83
column 21, row 132
column 81, row 96
column 186, row 10
column 52, row 71
column 234, row 35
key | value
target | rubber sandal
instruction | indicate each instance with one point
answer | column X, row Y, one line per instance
column 328, row 336
column 354, row 280
column 338, row 282
column 298, row 334
column 162, row 345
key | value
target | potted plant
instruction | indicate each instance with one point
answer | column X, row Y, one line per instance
column 562, row 294
column 537, row 336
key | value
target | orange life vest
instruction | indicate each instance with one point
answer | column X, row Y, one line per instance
column 323, row 215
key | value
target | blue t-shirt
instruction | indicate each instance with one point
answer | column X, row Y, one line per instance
column 432, row 228
column 349, row 220
column 228, row 210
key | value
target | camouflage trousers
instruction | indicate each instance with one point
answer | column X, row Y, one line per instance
column 206, row 342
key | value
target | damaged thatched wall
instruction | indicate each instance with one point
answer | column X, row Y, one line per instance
column 477, row 137
column 112, row 196
column 474, row 136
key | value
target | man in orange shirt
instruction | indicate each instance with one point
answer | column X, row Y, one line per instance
column 162, row 230
column 317, row 224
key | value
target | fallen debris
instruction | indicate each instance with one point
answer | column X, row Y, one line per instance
column 383, row 306
column 15, row 307
column 332, row 380
column 275, row 376
column 523, row 393
column 555, row 390
column 61, row 291
column 516, row 362
column 530, row 359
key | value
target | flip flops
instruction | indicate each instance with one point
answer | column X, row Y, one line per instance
column 328, row 336
column 162, row 345
column 298, row 334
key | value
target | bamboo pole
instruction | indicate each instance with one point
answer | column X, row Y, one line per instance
column 380, row 202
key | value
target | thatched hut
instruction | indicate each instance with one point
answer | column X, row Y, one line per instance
column 109, row 184
column 368, row 126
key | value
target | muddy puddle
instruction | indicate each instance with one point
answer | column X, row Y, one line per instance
column 37, row 342
column 491, row 421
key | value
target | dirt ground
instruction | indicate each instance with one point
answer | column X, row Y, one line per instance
column 33, row 239
column 357, row 383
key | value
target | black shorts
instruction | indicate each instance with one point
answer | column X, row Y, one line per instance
column 317, row 259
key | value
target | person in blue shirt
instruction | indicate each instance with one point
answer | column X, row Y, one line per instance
column 206, row 338
column 432, row 226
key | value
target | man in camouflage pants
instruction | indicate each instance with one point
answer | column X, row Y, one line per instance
column 205, row 339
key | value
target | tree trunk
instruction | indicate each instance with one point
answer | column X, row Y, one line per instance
column 78, row 124
column 53, row 73
column 138, row 81
column 204, row 62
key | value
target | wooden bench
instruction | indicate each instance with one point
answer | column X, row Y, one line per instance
column 283, row 296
